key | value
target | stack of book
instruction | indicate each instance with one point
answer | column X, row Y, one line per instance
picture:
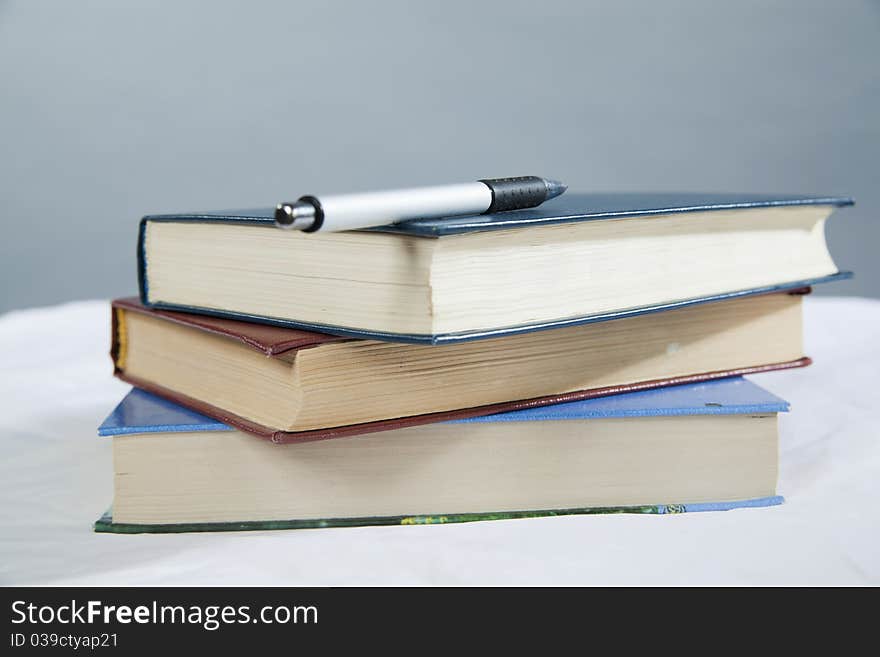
column 581, row 357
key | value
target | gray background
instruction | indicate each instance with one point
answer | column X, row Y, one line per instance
column 117, row 109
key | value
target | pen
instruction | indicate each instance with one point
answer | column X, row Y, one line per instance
column 353, row 211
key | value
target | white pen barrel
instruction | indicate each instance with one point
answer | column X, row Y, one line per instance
column 352, row 211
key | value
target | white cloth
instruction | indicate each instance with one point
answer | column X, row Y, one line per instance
column 55, row 477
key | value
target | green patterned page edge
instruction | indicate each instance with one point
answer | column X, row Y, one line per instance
column 105, row 523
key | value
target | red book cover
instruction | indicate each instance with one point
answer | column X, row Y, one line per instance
column 274, row 341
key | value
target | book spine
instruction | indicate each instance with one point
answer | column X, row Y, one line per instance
column 118, row 338
column 143, row 290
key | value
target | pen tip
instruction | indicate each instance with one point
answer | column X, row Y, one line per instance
column 554, row 188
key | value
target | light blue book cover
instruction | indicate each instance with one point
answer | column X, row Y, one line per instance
column 141, row 412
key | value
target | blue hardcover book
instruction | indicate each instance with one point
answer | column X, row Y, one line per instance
column 576, row 259
column 702, row 447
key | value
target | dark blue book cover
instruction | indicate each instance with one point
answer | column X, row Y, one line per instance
column 566, row 209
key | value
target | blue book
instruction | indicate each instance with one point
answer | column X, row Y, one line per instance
column 578, row 258
column 702, row 447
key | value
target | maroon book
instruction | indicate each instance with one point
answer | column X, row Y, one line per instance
column 275, row 341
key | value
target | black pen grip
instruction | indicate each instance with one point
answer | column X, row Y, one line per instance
column 515, row 193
